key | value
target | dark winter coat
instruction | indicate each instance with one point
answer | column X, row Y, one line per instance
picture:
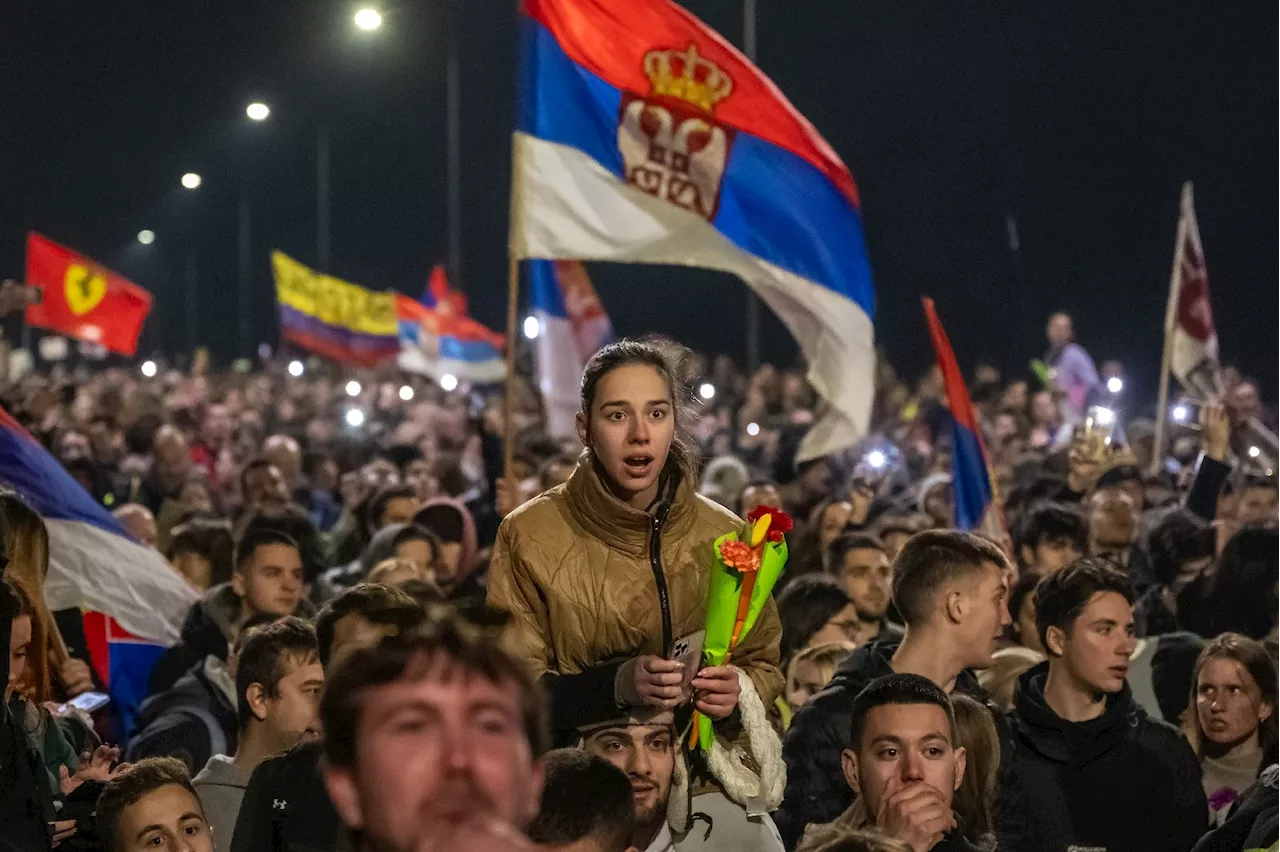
column 192, row 721
column 1252, row 824
column 816, row 789
column 287, row 809
column 1123, row 782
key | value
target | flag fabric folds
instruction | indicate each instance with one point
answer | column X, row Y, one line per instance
column 435, row 342
column 82, row 299
column 332, row 317
column 644, row 137
column 970, row 477
column 1193, row 352
column 572, row 326
column 133, row 601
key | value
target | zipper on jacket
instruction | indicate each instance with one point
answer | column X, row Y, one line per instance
column 655, row 564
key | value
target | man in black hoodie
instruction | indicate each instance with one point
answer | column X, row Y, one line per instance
column 1097, row 771
column 951, row 588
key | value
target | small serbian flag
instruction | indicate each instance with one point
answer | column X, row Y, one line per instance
column 642, row 136
column 438, row 342
column 133, row 601
column 83, row 299
column 572, row 326
column 971, row 479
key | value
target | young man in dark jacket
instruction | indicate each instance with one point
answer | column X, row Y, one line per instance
column 1098, row 773
column 951, row 588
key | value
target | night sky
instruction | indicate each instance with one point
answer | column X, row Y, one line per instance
column 1080, row 119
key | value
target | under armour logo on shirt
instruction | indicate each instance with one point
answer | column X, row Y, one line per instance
column 279, row 804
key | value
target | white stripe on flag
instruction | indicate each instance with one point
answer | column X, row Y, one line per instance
column 560, row 367
column 567, row 206
column 92, row 569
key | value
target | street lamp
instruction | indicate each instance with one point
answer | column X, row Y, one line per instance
column 257, row 111
column 190, row 180
column 146, row 237
column 368, row 19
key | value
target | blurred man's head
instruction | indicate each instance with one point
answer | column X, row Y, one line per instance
column 761, row 492
column 139, row 522
column 1084, row 614
column 362, row 616
column 433, row 737
column 1113, row 520
column 268, row 573
column 71, row 445
column 152, row 805
column 170, row 459
column 903, row 737
column 586, row 805
column 394, row 504
column 1060, row 331
column 284, row 452
column 1050, row 536
column 860, row 562
column 262, row 484
column 955, row 584
column 278, row 685
column 216, row 429
column 1257, row 501
column 646, row 750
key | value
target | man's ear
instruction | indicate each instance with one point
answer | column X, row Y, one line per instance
column 957, row 605
column 584, row 434
column 1028, row 555
column 256, row 697
column 1264, row 711
column 237, row 582
column 1055, row 641
column 537, row 780
column 341, row 787
column 961, row 760
column 849, row 764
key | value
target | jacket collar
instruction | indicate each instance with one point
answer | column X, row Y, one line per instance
column 618, row 525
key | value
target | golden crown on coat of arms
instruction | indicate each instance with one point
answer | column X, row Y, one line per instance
column 686, row 76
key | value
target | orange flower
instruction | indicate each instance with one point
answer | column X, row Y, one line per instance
column 740, row 557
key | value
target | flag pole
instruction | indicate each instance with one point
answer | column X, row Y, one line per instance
column 1170, row 319
column 508, row 396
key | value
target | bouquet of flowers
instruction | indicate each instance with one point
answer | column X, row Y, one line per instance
column 747, row 566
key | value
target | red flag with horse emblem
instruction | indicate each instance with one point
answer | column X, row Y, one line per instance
column 83, row 299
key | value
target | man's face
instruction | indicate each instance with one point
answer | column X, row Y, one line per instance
column 418, row 476
column 293, row 714
column 285, row 455
column 169, row 819
column 398, row 510
column 1096, row 651
column 105, row 441
column 760, row 495
column 264, row 485
column 216, row 430
column 171, row 459
column 986, row 614
column 1051, row 554
column 1257, row 505
column 904, row 745
column 647, row 754
column 141, row 524
column 834, row 517
column 73, row 445
column 868, row 577
column 1059, row 330
column 437, row 752
column 270, row 580
column 1113, row 518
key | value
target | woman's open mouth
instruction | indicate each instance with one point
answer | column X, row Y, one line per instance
column 638, row 464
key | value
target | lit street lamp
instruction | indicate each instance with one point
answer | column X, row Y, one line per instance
column 257, row 111
column 191, row 180
column 368, row 19
column 146, row 237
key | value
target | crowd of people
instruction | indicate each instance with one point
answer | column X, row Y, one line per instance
column 403, row 644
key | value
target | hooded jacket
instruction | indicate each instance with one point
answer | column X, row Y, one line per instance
column 1122, row 782
column 466, row 583
column 342, row 577
column 221, row 786
column 820, row 732
column 206, row 631
column 192, row 721
column 592, row 583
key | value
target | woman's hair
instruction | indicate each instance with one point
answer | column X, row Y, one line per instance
column 1007, row 665
column 35, row 684
column 416, row 532
column 1252, row 658
column 26, row 547
column 805, row 606
column 974, row 801
column 826, row 657
column 668, row 359
column 1241, row 596
column 209, row 538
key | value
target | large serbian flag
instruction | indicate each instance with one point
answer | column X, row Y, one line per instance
column 133, row 601
column 332, row 317
column 644, row 137
column 970, row 476
column 83, row 299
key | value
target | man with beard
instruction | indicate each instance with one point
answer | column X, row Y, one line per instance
column 278, row 683
column 434, row 740
column 860, row 562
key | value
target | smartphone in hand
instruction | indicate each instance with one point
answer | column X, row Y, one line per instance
column 688, row 650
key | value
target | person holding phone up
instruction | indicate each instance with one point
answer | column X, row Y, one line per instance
column 606, row 574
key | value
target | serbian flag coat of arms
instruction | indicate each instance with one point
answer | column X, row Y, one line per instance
column 132, row 601
column 644, row 137
column 82, row 299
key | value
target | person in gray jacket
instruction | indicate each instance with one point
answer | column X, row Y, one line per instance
column 278, row 685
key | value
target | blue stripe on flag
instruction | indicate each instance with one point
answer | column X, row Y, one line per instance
column 545, row 292
column 969, row 478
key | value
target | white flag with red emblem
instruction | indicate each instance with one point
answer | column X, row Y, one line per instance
column 1193, row 342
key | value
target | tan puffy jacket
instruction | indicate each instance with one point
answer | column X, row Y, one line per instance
column 592, row 582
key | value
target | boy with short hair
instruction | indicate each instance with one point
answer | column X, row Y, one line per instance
column 152, row 805
column 586, row 805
